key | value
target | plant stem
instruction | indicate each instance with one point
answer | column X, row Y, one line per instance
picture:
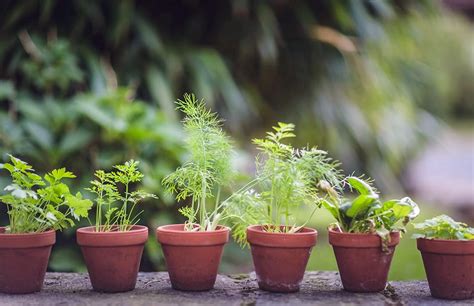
column 123, row 224
column 203, row 203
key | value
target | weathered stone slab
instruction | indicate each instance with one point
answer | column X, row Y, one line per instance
column 318, row 288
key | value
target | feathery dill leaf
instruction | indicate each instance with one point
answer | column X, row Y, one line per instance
column 287, row 179
column 209, row 166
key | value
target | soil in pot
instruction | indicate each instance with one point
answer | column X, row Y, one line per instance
column 449, row 267
column 362, row 264
column 23, row 260
column 192, row 258
column 280, row 259
column 112, row 258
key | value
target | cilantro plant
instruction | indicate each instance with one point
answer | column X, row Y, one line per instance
column 37, row 204
column 208, row 170
column 286, row 179
column 366, row 213
column 115, row 201
column 443, row 227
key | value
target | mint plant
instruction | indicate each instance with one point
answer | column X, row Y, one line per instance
column 36, row 204
column 286, row 179
column 443, row 227
column 115, row 201
column 366, row 213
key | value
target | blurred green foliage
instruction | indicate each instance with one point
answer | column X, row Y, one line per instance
column 90, row 84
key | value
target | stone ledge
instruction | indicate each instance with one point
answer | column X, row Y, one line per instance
column 318, row 288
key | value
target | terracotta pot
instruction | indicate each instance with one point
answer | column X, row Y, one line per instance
column 112, row 258
column 362, row 264
column 192, row 258
column 23, row 260
column 279, row 258
column 449, row 266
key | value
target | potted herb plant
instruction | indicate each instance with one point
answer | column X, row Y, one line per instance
column 193, row 250
column 113, row 247
column 36, row 208
column 264, row 218
column 366, row 233
column 447, row 248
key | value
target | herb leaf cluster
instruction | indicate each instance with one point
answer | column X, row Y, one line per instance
column 36, row 204
column 443, row 227
column 366, row 213
column 115, row 201
column 286, row 179
column 208, row 169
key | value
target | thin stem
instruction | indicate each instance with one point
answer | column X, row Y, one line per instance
column 217, row 197
column 123, row 223
column 310, row 217
column 244, row 188
column 203, row 203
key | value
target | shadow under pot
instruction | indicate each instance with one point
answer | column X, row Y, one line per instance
column 112, row 258
column 449, row 267
column 362, row 264
column 192, row 257
column 280, row 259
column 23, row 260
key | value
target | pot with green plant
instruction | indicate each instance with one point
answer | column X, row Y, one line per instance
column 366, row 233
column 447, row 249
column 37, row 207
column 113, row 247
column 264, row 217
column 193, row 250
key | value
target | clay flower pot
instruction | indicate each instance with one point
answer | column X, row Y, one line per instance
column 362, row 264
column 23, row 260
column 279, row 258
column 449, row 266
column 192, row 258
column 112, row 258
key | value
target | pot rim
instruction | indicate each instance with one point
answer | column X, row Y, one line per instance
column 360, row 240
column 445, row 246
column 309, row 231
column 179, row 237
column 89, row 230
column 166, row 229
column 2, row 228
column 26, row 240
column 447, row 240
column 338, row 232
column 88, row 237
column 305, row 239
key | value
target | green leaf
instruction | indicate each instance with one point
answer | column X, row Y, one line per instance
column 58, row 174
column 80, row 207
column 361, row 186
column 331, row 208
column 361, row 205
column 443, row 227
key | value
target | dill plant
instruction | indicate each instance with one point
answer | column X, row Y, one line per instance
column 37, row 204
column 115, row 201
column 286, row 179
column 208, row 170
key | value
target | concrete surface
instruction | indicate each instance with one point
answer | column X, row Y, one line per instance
column 318, row 288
